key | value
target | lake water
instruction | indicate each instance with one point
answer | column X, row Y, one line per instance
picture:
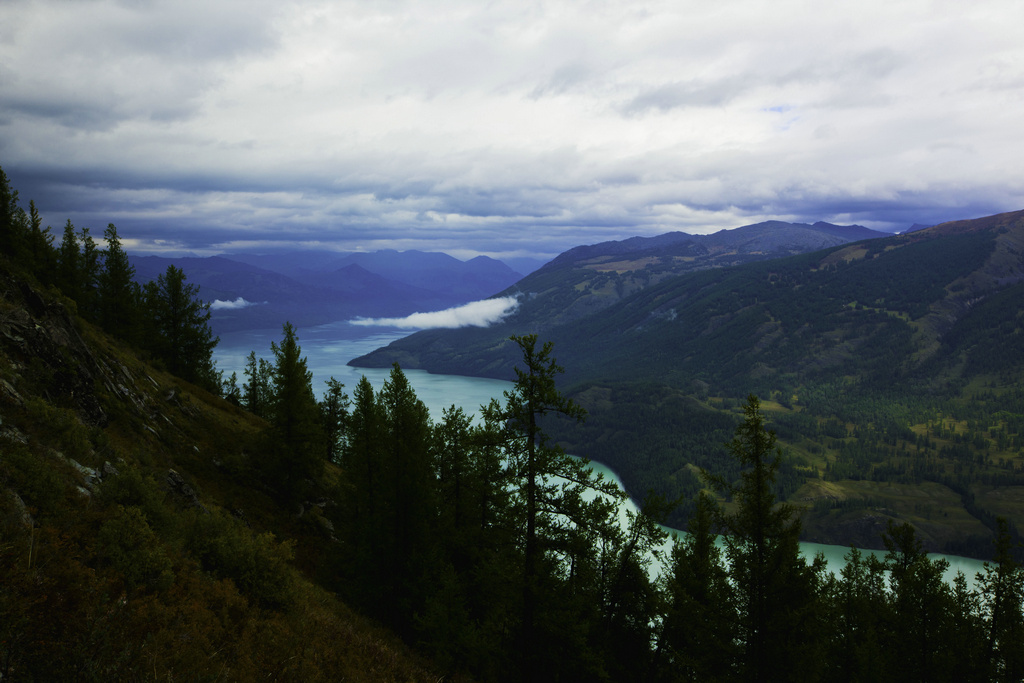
column 328, row 348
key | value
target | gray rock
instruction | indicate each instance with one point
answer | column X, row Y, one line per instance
column 180, row 488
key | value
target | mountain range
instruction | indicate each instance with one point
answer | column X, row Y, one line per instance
column 584, row 281
column 891, row 366
column 310, row 288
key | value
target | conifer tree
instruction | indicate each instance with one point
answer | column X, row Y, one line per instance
column 12, row 234
column 256, row 392
column 1002, row 593
column 410, row 485
column 41, row 252
column 231, row 391
column 88, row 276
column 920, row 603
column 698, row 632
column 118, row 293
column 774, row 586
column 181, row 334
column 296, row 440
column 69, row 263
column 365, row 506
column 857, row 604
column 333, row 416
column 548, row 488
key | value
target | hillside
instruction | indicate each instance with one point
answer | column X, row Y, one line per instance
column 137, row 542
column 893, row 367
column 586, row 280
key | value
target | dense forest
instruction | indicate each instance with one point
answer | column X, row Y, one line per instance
column 160, row 521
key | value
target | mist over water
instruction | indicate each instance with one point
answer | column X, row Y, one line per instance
column 328, row 348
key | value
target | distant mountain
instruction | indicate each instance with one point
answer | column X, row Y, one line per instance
column 523, row 264
column 309, row 288
column 588, row 279
column 769, row 239
column 448, row 278
column 884, row 363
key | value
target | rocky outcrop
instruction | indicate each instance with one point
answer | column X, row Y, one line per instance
column 41, row 339
column 181, row 490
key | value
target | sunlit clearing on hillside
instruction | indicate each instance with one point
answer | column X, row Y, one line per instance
column 473, row 314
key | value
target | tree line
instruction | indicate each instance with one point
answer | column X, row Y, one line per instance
column 504, row 559
column 164, row 317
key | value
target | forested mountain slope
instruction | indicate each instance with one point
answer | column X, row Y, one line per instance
column 137, row 538
column 891, row 363
column 588, row 279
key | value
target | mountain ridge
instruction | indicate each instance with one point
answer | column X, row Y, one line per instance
column 313, row 288
column 895, row 339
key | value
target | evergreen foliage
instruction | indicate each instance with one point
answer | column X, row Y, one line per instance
column 256, row 395
column 774, row 586
column 294, row 457
column 165, row 317
column 118, row 294
column 333, row 418
column 183, row 340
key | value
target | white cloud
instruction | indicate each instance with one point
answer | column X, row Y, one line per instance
column 474, row 314
column 220, row 305
column 506, row 125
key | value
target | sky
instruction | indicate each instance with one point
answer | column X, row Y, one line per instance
column 505, row 128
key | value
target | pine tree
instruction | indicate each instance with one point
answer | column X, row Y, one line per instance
column 118, row 293
column 296, row 443
column 88, row 277
column 11, row 231
column 256, row 392
column 69, row 263
column 42, row 255
column 366, row 511
column 698, row 636
column 560, row 524
column 921, row 602
column 858, row 609
column 775, row 587
column 1002, row 593
column 410, row 487
column 230, row 390
column 181, row 335
column 333, row 416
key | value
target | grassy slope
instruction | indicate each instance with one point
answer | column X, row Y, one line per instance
column 107, row 571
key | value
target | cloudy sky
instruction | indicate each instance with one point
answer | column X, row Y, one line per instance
column 507, row 127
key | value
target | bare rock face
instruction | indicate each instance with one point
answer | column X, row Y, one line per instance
column 42, row 339
column 177, row 485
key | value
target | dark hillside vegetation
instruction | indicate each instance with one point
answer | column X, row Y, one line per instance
column 136, row 540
